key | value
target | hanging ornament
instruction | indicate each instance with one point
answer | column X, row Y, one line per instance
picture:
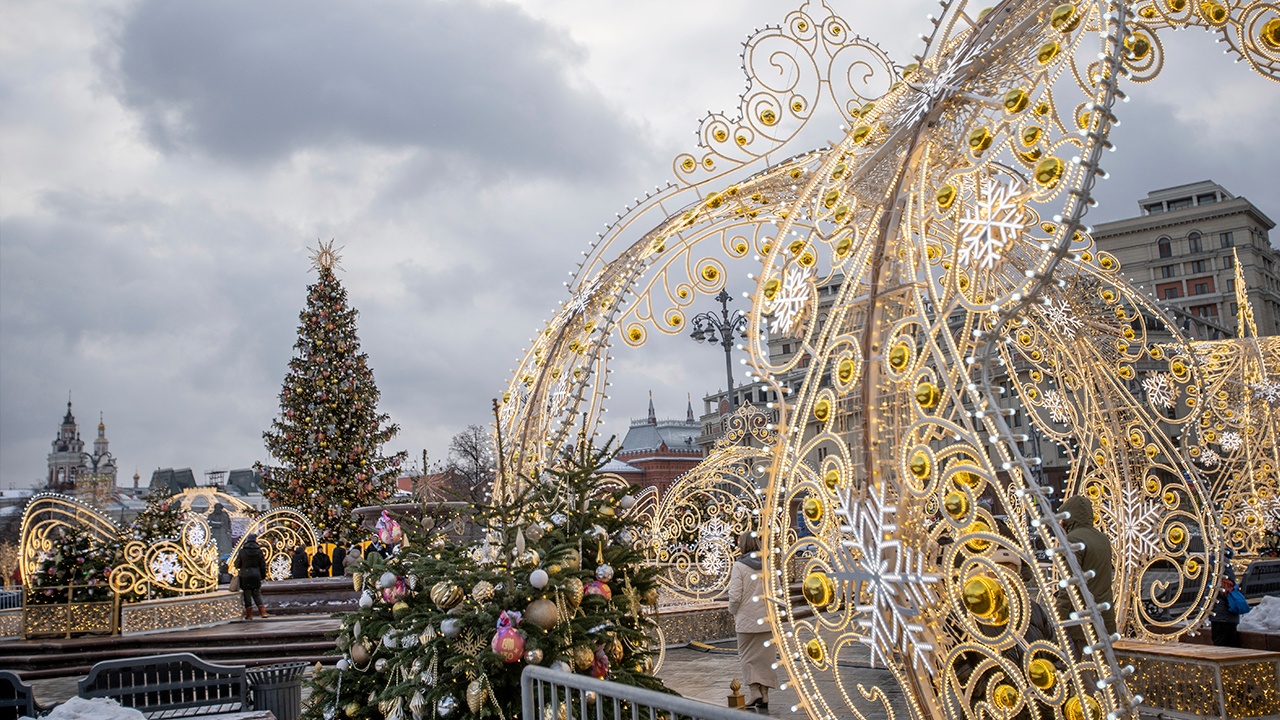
column 583, row 657
column 399, row 609
column 533, row 656
column 387, row 580
column 534, row 532
column 380, row 665
column 445, row 594
column 418, row 705
column 561, row 666
column 475, row 695
column 600, row 664
column 573, row 590
column 614, row 649
column 627, row 502
column 543, row 613
column 389, row 639
column 595, row 587
column 558, row 519
column 508, row 642
column 528, row 558
column 360, row 654
column 352, row 709
column 482, row 591
column 572, row 560
column 397, row 591
column 451, row 627
column 446, row 705
column 539, row 578
column 604, row 573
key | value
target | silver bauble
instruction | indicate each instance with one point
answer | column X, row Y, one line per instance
column 343, row 664
column 604, row 573
column 561, row 666
column 388, row 580
column 389, row 639
column 451, row 627
column 590, row 696
column 533, row 656
column 366, row 601
column 539, row 578
column 627, row 502
column 446, row 705
column 558, row 519
column 380, row 664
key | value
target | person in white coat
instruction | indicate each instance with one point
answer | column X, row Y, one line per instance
column 746, row 604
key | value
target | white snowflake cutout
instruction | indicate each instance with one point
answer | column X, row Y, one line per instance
column 1059, row 412
column 789, row 303
column 1231, row 441
column 1161, row 391
column 991, row 225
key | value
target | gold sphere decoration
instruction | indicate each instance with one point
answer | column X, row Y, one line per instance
column 818, row 589
column 1042, row 674
column 813, row 509
column 983, row 597
column 1090, row 711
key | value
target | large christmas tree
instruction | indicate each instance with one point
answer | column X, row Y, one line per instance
column 329, row 435
column 446, row 624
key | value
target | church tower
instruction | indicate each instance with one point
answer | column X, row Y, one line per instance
column 67, row 456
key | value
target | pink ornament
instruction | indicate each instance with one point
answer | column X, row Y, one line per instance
column 388, row 530
column 394, row 593
column 508, row 642
column 595, row 587
column 600, row 666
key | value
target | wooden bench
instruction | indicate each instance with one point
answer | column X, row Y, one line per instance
column 1180, row 680
column 16, row 698
column 168, row 686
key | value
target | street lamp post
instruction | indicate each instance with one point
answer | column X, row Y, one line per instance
column 724, row 329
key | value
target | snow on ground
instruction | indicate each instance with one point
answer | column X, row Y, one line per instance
column 1264, row 618
column 78, row 708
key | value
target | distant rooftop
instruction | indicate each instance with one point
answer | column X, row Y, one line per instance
column 1181, row 197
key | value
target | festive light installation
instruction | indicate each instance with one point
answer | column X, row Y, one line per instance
column 1236, row 443
column 949, row 216
column 280, row 531
column 185, row 564
column 693, row 528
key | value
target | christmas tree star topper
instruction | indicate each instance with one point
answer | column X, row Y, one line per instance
column 325, row 257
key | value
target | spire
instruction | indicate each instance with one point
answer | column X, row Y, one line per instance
column 653, row 417
column 102, row 426
column 689, row 415
column 69, row 419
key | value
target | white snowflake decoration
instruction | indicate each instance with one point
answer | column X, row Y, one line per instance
column 578, row 304
column 895, row 581
column 1137, row 526
column 1061, row 318
column 712, row 548
column 1268, row 390
column 165, row 567
column 557, row 396
column 197, row 535
column 991, row 226
column 1161, row 392
column 279, row 568
column 1231, row 441
column 939, row 87
column 1209, row 458
column 1059, row 412
column 789, row 303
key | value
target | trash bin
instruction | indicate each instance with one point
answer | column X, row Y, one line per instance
column 277, row 688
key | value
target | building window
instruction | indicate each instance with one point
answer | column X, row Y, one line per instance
column 1205, row 311
column 1166, row 247
column 1168, row 271
column 1194, row 241
column 1228, row 262
column 1179, row 204
column 1227, row 240
column 822, row 452
column 1206, row 199
column 1171, row 293
column 1200, row 288
column 1231, row 284
column 1235, row 309
column 786, row 348
column 1197, row 267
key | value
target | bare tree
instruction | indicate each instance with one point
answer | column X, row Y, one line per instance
column 472, row 464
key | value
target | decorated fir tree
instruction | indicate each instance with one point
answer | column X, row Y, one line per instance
column 328, row 438
column 159, row 519
column 78, row 567
column 446, row 626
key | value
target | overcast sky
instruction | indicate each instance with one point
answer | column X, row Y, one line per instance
column 164, row 167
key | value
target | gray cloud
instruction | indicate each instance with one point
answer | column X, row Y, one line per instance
column 251, row 81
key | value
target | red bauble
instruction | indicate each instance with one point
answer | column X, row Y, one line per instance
column 595, row 587
column 508, row 643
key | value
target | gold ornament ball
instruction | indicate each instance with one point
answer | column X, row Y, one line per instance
column 1090, row 711
column 543, row 613
column 583, row 657
column 1042, row 674
column 399, row 609
column 573, row 560
column 352, row 709
column 573, row 589
column 445, row 594
column 482, row 591
column 615, row 650
column 359, row 653
column 983, row 597
column 1006, row 697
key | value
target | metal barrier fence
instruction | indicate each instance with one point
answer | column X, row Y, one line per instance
column 554, row 695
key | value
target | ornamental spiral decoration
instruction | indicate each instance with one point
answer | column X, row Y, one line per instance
column 279, row 532
column 933, row 269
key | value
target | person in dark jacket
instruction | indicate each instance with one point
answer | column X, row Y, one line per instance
column 1095, row 556
column 339, row 554
column 298, row 564
column 252, row 565
column 1224, row 625
column 320, row 563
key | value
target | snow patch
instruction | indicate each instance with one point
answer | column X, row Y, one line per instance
column 78, row 708
column 1264, row 618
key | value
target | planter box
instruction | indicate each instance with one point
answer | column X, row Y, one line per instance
column 1197, row 681
column 180, row 613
